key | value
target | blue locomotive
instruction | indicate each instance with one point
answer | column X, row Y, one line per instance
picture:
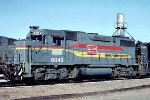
column 63, row 54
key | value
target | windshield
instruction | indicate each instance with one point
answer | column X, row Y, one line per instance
column 36, row 38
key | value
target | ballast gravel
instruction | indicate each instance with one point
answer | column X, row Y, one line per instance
column 18, row 92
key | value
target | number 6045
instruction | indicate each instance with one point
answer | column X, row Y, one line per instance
column 57, row 60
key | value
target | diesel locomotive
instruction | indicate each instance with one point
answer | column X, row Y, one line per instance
column 63, row 54
column 6, row 51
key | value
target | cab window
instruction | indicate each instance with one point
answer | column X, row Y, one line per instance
column 36, row 38
column 57, row 41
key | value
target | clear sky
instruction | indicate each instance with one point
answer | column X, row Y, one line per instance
column 79, row 15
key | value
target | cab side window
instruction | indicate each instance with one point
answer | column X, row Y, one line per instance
column 57, row 41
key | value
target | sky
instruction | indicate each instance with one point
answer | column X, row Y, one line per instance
column 91, row 16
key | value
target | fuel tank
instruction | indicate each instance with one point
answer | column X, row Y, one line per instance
column 95, row 71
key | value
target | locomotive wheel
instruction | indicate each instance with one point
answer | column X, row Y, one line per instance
column 74, row 73
column 116, row 72
column 62, row 73
column 130, row 72
column 39, row 74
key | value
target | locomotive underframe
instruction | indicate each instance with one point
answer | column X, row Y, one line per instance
column 61, row 72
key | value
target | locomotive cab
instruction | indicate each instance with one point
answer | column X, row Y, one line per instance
column 46, row 37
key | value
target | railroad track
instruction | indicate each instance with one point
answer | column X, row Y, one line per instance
column 71, row 96
column 52, row 82
column 6, row 83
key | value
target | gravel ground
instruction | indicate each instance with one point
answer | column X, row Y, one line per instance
column 7, row 93
column 142, row 94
